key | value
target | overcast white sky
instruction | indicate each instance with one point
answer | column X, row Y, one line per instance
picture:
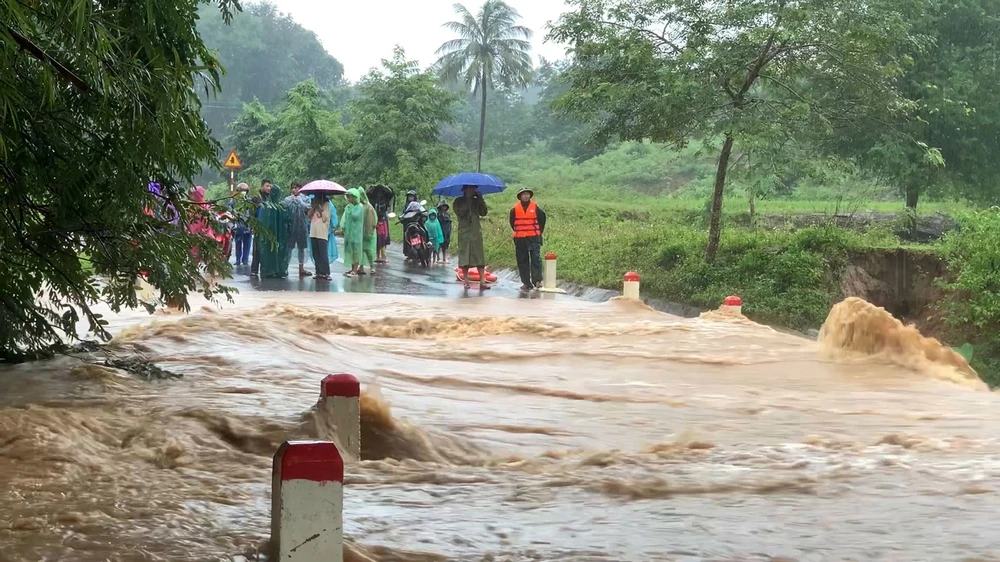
column 360, row 33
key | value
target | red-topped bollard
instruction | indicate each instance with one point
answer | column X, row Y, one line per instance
column 630, row 286
column 340, row 401
column 733, row 304
column 307, row 502
column 549, row 275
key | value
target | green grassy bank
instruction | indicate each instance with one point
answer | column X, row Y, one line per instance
column 783, row 277
column 786, row 277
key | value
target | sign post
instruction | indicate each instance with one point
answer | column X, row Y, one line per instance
column 232, row 163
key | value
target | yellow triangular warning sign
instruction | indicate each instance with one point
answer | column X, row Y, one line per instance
column 233, row 161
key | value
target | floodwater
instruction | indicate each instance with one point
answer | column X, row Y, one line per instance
column 502, row 429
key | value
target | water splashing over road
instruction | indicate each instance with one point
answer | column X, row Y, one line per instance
column 496, row 430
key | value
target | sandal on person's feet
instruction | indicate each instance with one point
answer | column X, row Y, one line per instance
column 468, row 285
column 484, row 287
column 525, row 288
column 349, row 274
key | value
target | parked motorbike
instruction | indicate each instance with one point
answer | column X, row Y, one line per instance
column 417, row 247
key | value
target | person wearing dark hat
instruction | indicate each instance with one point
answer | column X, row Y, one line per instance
column 527, row 221
column 444, row 217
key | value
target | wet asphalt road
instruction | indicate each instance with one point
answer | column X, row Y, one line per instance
column 396, row 277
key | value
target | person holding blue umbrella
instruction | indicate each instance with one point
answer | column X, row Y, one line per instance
column 469, row 209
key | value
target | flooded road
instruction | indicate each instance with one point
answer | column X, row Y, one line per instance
column 502, row 429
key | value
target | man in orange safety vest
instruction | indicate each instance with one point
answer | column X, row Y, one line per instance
column 527, row 220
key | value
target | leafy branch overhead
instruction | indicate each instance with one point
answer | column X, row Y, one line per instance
column 98, row 101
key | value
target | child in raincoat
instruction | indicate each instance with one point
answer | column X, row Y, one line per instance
column 353, row 225
column 434, row 233
column 444, row 217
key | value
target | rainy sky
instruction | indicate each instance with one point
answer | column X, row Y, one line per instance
column 361, row 33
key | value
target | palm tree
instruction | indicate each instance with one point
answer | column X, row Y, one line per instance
column 490, row 50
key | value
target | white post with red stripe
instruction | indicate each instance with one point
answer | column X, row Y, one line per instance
column 732, row 304
column 307, row 502
column 630, row 285
column 340, row 399
column 549, row 275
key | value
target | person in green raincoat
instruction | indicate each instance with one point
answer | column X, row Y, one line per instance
column 368, row 242
column 353, row 225
column 274, row 254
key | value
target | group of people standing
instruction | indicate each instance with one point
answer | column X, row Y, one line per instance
column 294, row 223
column 298, row 222
column 305, row 225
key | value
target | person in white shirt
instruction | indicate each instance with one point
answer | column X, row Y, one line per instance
column 319, row 233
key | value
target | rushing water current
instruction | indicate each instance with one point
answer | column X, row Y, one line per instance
column 497, row 429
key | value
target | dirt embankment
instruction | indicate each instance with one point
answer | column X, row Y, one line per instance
column 902, row 281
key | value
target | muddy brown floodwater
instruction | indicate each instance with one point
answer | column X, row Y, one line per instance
column 575, row 431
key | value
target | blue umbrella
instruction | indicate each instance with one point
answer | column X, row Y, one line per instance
column 451, row 186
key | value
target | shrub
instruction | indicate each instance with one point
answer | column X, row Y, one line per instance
column 973, row 302
column 785, row 278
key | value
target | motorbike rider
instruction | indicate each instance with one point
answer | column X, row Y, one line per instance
column 411, row 196
column 413, row 212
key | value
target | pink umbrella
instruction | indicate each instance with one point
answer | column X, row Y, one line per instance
column 323, row 187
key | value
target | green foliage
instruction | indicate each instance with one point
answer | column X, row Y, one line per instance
column 973, row 303
column 491, row 51
column 98, row 100
column 512, row 125
column 264, row 53
column 388, row 134
column 946, row 141
column 785, row 278
column 759, row 74
column 395, row 126
column 682, row 179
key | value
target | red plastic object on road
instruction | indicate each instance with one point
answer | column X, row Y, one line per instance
column 474, row 275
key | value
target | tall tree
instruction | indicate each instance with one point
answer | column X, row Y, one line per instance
column 396, row 125
column 512, row 129
column 265, row 53
column 668, row 70
column 947, row 141
column 302, row 140
column 98, row 99
column 491, row 50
